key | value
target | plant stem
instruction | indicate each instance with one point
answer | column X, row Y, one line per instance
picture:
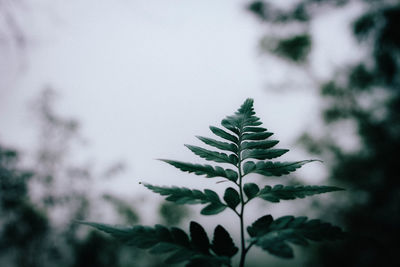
column 243, row 245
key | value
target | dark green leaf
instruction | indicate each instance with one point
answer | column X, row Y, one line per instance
column 212, row 155
column 179, row 237
column 183, row 195
column 213, row 209
column 221, row 133
column 259, row 144
column 269, row 168
column 230, row 125
column 280, row 192
column 207, row 170
column 263, row 153
column 273, row 235
column 251, row 190
column 222, row 243
column 254, row 129
column 212, row 196
column 231, row 197
column 246, row 108
column 244, row 120
column 218, row 144
column 256, row 136
column 260, row 226
column 199, row 238
column 249, row 167
column 161, row 240
column 216, row 205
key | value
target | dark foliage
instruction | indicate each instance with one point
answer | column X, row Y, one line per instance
column 372, row 212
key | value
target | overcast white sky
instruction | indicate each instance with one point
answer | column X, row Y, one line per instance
column 144, row 77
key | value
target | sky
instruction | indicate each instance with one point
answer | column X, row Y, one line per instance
column 145, row 77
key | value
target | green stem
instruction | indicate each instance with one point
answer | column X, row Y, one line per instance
column 241, row 214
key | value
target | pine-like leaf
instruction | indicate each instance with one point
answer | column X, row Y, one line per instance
column 231, row 197
column 280, row 192
column 183, row 195
column 222, row 243
column 221, row 133
column 274, row 235
column 263, row 154
column 251, row 190
column 269, row 168
column 207, row 170
column 218, row 144
column 212, row 155
column 161, row 240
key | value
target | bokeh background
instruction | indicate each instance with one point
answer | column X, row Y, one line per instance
column 92, row 92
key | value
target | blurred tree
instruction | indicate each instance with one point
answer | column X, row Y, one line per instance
column 366, row 94
column 22, row 226
column 38, row 207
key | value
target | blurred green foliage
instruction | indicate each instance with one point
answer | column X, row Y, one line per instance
column 32, row 231
column 366, row 93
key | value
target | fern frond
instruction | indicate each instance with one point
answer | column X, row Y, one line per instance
column 207, row 170
column 213, row 156
column 280, row 192
column 161, row 240
column 183, row 195
column 218, row 144
column 270, row 168
column 273, row 235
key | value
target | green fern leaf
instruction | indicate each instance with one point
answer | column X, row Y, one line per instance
column 231, row 126
column 221, row 133
column 161, row 240
column 273, row 235
column 199, row 238
column 256, row 136
column 251, row 190
column 260, row 226
column 213, row 209
column 183, row 195
column 216, row 205
column 280, row 192
column 218, row 144
column 231, row 197
column 212, row 155
column 243, row 119
column 207, row 170
column 269, row 168
column 259, row 145
column 263, row 154
column 222, row 243
column 254, row 129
